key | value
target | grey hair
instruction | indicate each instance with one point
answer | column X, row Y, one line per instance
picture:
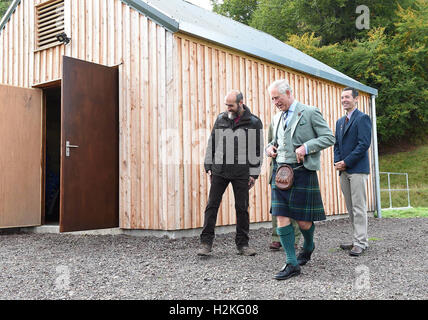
column 282, row 86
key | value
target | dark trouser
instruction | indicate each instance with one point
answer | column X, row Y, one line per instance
column 240, row 192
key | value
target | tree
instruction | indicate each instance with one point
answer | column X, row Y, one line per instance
column 4, row 5
column 270, row 18
column 396, row 65
column 335, row 20
column 332, row 20
column 239, row 10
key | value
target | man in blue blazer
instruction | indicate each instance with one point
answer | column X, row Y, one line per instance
column 353, row 137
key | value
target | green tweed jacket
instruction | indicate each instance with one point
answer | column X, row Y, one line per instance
column 307, row 127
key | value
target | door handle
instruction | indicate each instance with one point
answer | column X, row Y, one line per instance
column 67, row 148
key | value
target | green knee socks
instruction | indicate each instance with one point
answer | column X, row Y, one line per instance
column 286, row 236
column 308, row 235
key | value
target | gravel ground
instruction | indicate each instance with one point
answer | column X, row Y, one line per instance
column 56, row 266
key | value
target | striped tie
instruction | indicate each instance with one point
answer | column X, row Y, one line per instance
column 285, row 119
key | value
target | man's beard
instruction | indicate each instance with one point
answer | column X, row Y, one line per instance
column 233, row 115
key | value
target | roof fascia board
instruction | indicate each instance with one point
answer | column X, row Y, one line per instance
column 149, row 11
column 8, row 13
column 260, row 53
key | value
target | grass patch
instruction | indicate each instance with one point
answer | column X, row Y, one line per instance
column 375, row 239
column 412, row 162
column 407, row 213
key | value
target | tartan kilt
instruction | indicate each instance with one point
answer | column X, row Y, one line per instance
column 303, row 201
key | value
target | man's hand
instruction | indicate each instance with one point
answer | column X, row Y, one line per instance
column 272, row 151
column 210, row 175
column 340, row 166
column 300, row 153
column 251, row 182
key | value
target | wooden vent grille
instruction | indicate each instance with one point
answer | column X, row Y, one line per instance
column 49, row 23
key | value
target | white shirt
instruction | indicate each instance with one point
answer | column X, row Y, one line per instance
column 286, row 120
column 289, row 114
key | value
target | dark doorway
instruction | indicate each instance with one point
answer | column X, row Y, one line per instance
column 53, row 154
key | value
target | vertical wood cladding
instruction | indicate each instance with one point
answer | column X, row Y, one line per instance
column 171, row 90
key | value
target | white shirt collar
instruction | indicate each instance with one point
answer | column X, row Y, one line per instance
column 293, row 106
column 349, row 114
column 287, row 115
column 290, row 110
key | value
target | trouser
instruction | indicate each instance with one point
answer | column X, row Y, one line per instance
column 241, row 194
column 354, row 190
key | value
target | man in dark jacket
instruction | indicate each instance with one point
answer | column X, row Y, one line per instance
column 234, row 155
column 353, row 137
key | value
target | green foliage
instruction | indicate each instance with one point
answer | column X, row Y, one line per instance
column 396, row 65
column 4, row 5
column 239, row 10
column 269, row 17
column 332, row 20
column 335, row 20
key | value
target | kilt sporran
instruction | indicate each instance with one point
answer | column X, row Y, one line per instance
column 284, row 177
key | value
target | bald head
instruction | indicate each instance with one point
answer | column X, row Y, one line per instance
column 235, row 95
column 234, row 103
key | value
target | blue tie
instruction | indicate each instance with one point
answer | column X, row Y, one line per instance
column 285, row 119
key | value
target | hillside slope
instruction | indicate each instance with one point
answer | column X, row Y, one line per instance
column 415, row 163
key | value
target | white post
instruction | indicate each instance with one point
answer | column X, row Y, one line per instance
column 376, row 159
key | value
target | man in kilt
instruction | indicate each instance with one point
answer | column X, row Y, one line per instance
column 300, row 133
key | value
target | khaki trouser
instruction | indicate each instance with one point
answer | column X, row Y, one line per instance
column 354, row 190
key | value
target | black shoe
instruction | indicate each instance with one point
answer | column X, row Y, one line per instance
column 304, row 256
column 287, row 272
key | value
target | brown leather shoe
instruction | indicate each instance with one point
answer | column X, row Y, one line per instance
column 356, row 251
column 346, row 246
column 275, row 245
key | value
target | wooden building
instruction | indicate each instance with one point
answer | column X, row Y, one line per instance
column 107, row 126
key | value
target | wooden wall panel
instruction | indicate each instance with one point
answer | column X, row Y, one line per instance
column 225, row 70
column 172, row 88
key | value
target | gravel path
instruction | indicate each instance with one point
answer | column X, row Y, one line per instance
column 54, row 266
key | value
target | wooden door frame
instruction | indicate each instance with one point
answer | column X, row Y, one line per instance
column 44, row 86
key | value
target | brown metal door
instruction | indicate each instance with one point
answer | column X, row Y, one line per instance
column 89, row 172
column 20, row 157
